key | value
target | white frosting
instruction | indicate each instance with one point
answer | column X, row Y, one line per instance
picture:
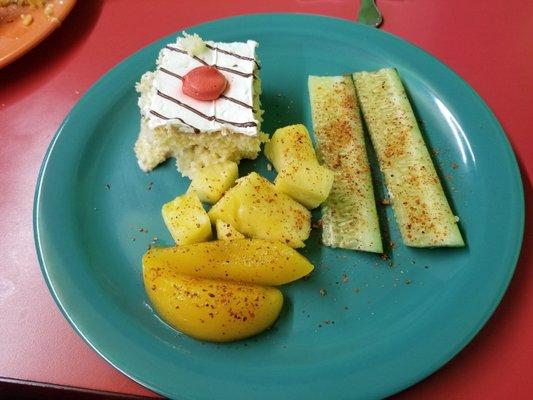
column 239, row 88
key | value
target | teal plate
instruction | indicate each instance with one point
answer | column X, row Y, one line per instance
column 377, row 327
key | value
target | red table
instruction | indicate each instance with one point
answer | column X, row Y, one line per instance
column 490, row 44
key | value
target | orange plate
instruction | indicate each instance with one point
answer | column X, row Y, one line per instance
column 17, row 39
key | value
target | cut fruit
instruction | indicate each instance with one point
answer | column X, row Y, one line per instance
column 349, row 216
column 300, row 175
column 210, row 182
column 308, row 183
column 187, row 220
column 214, row 310
column 420, row 205
column 245, row 260
column 257, row 210
column 290, row 144
column 227, row 232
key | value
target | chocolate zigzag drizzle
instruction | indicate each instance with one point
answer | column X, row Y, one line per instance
column 236, row 55
column 241, row 103
column 230, row 70
column 196, row 130
column 166, row 71
column 207, row 117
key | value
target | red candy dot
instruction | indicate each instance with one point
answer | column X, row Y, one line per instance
column 204, row 83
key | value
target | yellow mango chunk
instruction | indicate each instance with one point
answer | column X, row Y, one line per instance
column 308, row 183
column 211, row 181
column 244, row 260
column 257, row 210
column 300, row 175
column 227, row 232
column 187, row 220
column 288, row 145
column 214, row 310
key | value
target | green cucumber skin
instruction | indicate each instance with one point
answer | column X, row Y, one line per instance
column 349, row 216
column 418, row 200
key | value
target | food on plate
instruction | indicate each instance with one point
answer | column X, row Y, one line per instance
column 257, row 210
column 31, row 3
column 214, row 310
column 219, row 290
column 202, row 107
column 300, row 175
column 199, row 131
column 254, row 261
column 210, row 182
column 420, row 205
column 13, row 10
column 309, row 184
column 187, row 220
column 349, row 217
column 290, row 144
column 227, row 232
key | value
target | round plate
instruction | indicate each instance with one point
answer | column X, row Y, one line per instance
column 17, row 39
column 378, row 326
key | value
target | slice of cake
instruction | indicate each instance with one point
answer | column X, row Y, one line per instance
column 200, row 132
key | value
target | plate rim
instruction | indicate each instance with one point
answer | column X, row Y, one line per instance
column 392, row 390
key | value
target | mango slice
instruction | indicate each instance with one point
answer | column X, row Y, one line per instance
column 227, row 232
column 308, row 183
column 300, row 175
column 257, row 210
column 213, row 310
column 187, row 220
column 244, row 260
column 288, row 145
column 210, row 182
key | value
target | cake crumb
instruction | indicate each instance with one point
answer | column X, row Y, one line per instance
column 27, row 19
column 385, row 202
column 193, row 44
column 49, row 10
column 323, row 292
column 345, row 278
column 269, row 167
column 454, row 165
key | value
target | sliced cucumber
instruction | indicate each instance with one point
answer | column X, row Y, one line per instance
column 420, row 205
column 349, row 214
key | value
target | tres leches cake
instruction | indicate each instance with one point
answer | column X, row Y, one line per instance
column 201, row 105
